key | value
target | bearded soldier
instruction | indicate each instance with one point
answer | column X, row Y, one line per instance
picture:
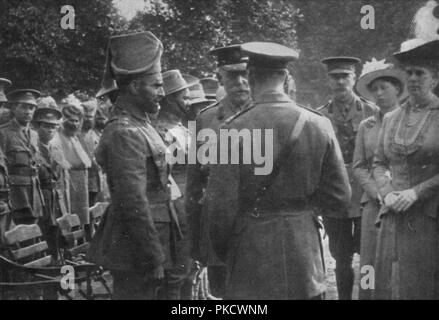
column 137, row 237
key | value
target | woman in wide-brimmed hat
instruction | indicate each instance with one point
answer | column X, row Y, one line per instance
column 406, row 170
column 384, row 85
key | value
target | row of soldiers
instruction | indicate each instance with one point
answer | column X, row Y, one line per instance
column 47, row 160
column 161, row 219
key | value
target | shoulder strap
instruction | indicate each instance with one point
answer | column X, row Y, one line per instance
column 283, row 156
column 238, row 114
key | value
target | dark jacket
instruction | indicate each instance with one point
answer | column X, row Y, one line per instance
column 22, row 157
column 196, row 181
column 277, row 255
column 135, row 233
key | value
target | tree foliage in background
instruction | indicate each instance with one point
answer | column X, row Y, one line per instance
column 332, row 27
column 189, row 29
column 36, row 52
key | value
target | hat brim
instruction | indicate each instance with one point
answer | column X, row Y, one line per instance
column 40, row 110
column 187, row 86
column 48, row 121
column 341, row 71
column 367, row 79
column 426, row 51
column 6, row 81
column 201, row 100
column 234, row 67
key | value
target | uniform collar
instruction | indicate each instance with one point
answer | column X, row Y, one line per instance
column 17, row 127
column 272, row 96
column 349, row 103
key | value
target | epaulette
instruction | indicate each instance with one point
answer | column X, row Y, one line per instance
column 324, row 106
column 238, row 114
column 310, row 109
column 208, row 107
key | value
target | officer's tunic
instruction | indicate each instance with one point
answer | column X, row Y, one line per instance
column 22, row 155
column 277, row 255
column 407, row 261
column 345, row 120
column 197, row 175
column 138, row 232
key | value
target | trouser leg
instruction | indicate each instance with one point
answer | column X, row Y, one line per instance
column 217, row 280
column 341, row 246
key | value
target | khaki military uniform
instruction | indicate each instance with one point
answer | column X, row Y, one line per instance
column 276, row 251
column 22, row 155
column 140, row 230
column 197, row 175
column 344, row 235
column 196, row 189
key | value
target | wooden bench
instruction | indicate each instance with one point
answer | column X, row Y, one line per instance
column 28, row 270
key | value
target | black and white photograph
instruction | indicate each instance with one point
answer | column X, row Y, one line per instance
column 219, row 154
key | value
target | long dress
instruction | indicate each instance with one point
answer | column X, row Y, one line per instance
column 365, row 145
column 79, row 161
column 407, row 157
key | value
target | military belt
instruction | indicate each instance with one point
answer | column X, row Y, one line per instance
column 293, row 208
